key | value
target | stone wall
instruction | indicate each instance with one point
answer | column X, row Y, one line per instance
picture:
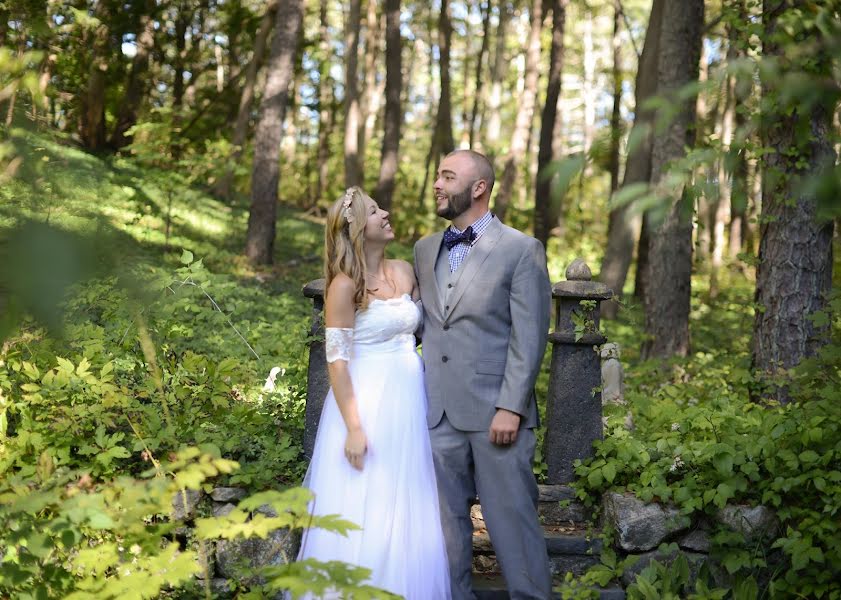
column 641, row 529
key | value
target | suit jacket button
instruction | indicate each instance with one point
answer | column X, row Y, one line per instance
column 446, row 327
column 444, row 359
column 447, row 307
column 449, row 285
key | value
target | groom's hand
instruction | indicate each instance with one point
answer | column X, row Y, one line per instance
column 504, row 427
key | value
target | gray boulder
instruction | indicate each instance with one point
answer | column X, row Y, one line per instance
column 754, row 522
column 641, row 526
column 184, row 504
column 228, row 494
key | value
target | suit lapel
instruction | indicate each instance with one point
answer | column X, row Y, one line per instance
column 473, row 262
column 430, row 256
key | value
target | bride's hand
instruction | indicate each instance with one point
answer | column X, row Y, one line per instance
column 356, row 445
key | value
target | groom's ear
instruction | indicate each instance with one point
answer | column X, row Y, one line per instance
column 480, row 186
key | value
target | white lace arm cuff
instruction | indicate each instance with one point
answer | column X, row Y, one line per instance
column 338, row 342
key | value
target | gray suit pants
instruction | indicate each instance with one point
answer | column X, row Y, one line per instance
column 466, row 462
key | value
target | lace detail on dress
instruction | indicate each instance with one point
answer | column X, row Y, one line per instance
column 338, row 342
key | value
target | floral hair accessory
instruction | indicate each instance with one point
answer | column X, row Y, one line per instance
column 346, row 204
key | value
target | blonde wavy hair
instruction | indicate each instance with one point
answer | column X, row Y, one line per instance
column 343, row 241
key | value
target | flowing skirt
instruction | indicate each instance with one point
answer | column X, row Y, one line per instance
column 394, row 499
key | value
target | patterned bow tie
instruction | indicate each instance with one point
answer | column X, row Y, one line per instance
column 451, row 238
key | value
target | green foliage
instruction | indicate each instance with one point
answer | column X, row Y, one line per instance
column 674, row 581
column 66, row 536
column 700, row 444
column 149, row 382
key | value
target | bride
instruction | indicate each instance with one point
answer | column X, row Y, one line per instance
column 372, row 462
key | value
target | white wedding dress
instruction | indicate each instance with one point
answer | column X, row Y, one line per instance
column 394, row 498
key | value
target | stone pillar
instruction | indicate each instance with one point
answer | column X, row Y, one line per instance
column 574, row 404
column 318, row 382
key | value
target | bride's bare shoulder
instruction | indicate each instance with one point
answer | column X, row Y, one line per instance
column 402, row 269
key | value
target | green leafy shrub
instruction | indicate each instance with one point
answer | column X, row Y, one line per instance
column 700, row 444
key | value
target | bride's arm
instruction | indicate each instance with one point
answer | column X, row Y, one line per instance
column 339, row 315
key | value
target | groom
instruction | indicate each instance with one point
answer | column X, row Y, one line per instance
column 486, row 295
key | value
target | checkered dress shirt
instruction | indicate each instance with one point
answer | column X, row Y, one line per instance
column 460, row 251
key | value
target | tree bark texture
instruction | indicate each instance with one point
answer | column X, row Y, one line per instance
column 93, row 113
column 795, row 250
column 616, row 113
column 353, row 113
column 480, row 63
column 670, row 246
column 444, row 120
column 498, row 70
column 546, row 208
column 259, row 244
column 223, row 187
column 384, row 191
column 182, row 21
column 374, row 86
column 525, row 113
column 622, row 224
column 137, row 84
column 326, row 99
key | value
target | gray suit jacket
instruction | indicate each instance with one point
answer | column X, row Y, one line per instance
column 482, row 348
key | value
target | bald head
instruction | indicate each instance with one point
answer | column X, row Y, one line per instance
column 480, row 166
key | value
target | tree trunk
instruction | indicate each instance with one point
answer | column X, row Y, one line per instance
column 498, row 71
column 4, row 24
column 93, row 111
column 326, row 99
column 480, row 62
column 670, row 246
column 353, row 114
column 259, row 244
column 705, row 205
column 546, row 208
column 444, row 121
column 44, row 82
column 616, row 114
column 384, row 191
column 374, row 88
column 222, row 189
column 588, row 91
column 795, row 250
column 622, row 225
column 525, row 113
column 641, row 274
column 182, row 21
column 722, row 208
column 137, row 81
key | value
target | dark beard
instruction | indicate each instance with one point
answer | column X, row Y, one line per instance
column 457, row 204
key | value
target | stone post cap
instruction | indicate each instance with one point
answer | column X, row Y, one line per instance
column 579, row 271
column 579, row 284
column 314, row 288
